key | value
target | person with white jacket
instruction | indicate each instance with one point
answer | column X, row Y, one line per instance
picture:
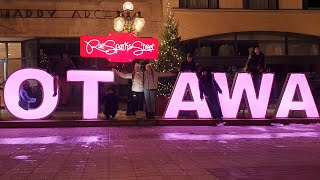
column 136, row 88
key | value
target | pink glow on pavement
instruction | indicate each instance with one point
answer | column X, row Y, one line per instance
column 230, row 102
column 11, row 94
column 307, row 103
column 226, row 137
column 53, row 140
column 90, row 81
column 176, row 104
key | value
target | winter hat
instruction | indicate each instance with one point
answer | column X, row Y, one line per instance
column 189, row 55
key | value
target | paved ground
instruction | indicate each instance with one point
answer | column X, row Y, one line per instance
column 274, row 152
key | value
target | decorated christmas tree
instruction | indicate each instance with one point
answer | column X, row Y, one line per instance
column 170, row 53
column 45, row 63
column 170, row 49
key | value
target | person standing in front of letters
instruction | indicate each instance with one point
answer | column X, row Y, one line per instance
column 136, row 88
column 150, row 84
column 209, row 89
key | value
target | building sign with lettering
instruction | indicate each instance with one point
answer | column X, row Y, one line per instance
column 119, row 47
column 41, row 13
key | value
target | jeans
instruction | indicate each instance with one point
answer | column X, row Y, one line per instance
column 256, row 78
column 64, row 90
column 138, row 101
column 150, row 97
column 214, row 106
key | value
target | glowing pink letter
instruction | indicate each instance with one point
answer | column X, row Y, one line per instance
column 230, row 102
column 12, row 88
column 176, row 104
column 306, row 100
column 90, row 81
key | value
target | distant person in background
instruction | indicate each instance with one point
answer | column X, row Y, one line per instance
column 111, row 101
column 24, row 99
column 188, row 65
column 209, row 89
column 60, row 69
column 256, row 65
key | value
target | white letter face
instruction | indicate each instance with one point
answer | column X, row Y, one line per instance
column 230, row 102
column 176, row 102
column 306, row 102
column 12, row 94
column 90, row 81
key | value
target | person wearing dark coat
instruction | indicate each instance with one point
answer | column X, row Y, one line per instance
column 110, row 104
column 256, row 66
column 188, row 65
column 209, row 89
column 199, row 70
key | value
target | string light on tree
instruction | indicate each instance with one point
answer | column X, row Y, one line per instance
column 45, row 63
column 170, row 51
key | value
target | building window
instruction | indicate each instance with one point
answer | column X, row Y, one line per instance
column 3, row 57
column 242, row 44
column 272, row 44
column 199, row 4
column 10, row 61
column 311, row 4
column 303, row 45
column 260, row 4
column 14, row 55
column 303, row 49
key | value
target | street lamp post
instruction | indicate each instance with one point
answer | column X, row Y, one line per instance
column 124, row 22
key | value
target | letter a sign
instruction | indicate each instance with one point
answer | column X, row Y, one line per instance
column 119, row 47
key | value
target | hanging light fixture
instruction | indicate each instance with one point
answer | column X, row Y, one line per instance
column 127, row 6
column 138, row 22
column 124, row 22
column 119, row 22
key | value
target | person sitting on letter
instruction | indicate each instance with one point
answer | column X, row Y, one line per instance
column 24, row 99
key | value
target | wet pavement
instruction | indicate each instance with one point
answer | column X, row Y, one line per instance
column 222, row 152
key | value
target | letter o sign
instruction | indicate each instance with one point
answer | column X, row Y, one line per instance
column 12, row 88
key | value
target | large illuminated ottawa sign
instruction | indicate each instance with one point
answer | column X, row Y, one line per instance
column 230, row 100
column 119, row 47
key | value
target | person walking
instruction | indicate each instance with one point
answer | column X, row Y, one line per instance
column 209, row 89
